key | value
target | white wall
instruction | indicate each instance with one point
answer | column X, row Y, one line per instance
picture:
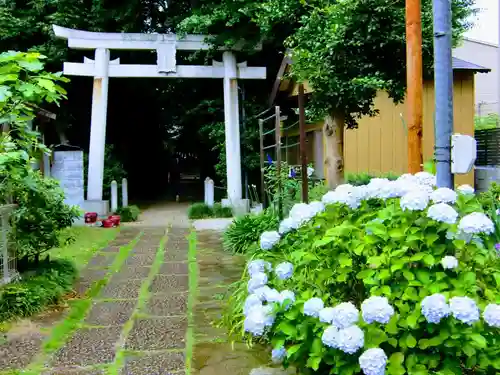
column 487, row 90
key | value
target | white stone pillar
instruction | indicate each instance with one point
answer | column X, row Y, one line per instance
column 114, row 196
column 124, row 193
column 98, row 125
column 232, row 128
column 209, row 192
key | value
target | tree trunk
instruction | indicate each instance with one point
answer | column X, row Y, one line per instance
column 333, row 132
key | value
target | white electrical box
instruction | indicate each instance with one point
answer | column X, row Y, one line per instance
column 463, row 153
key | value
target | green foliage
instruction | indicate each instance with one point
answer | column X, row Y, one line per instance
column 201, row 210
column 380, row 250
column 42, row 284
column 317, row 191
column 244, row 232
column 129, row 213
column 358, row 179
column 490, row 121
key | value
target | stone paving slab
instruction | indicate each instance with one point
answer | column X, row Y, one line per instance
column 172, row 255
column 154, row 364
column 87, row 277
column 110, row 249
column 73, row 371
column 131, row 272
column 89, row 346
column 101, row 260
column 18, row 352
column 157, row 334
column 141, row 260
column 168, row 305
column 110, row 313
column 174, row 268
column 170, row 284
column 126, row 290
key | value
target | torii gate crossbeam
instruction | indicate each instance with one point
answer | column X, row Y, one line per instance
column 166, row 45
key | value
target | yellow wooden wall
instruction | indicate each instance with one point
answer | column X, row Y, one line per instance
column 380, row 143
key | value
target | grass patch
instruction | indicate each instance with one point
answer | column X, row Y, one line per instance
column 144, row 295
column 87, row 240
column 203, row 211
column 78, row 310
column 193, row 289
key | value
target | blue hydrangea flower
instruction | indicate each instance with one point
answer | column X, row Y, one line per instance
column 313, row 306
column 287, row 225
column 476, row 222
column 287, row 297
column 326, row 315
column 414, row 201
column 491, row 315
column 373, row 361
column 465, row 189
column 377, row 309
column 252, row 301
column 349, row 339
column 262, row 292
column 277, row 355
column 269, row 239
column 464, row 309
column 258, row 280
column 443, row 213
column 258, row 319
column 345, row 315
column 444, row 195
column 449, row 262
column 435, row 308
column 272, row 295
column 257, row 266
column 284, row 270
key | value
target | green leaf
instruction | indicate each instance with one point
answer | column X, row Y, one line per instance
column 396, row 233
column 47, row 84
column 429, row 260
column 288, row 329
column 314, row 362
column 396, row 364
column 478, row 341
column 324, row 241
column 292, row 350
column 468, row 350
column 365, row 274
column 344, row 260
column 32, row 66
column 408, row 275
column 411, row 342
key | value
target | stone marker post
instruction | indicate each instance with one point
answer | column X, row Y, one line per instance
column 209, row 192
column 124, row 193
column 114, row 196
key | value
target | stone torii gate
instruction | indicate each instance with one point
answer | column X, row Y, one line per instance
column 165, row 45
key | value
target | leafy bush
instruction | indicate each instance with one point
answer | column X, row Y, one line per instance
column 42, row 284
column 203, row 211
column 129, row 213
column 406, row 265
column 364, row 178
column 490, row 121
column 41, row 215
column 244, row 232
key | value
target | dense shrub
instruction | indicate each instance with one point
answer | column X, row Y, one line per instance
column 129, row 213
column 244, row 232
column 203, row 211
column 40, row 285
column 358, row 179
column 391, row 278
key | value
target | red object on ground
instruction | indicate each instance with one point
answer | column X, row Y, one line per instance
column 108, row 223
column 90, row 217
column 115, row 219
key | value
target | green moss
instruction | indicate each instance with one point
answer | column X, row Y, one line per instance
column 193, row 289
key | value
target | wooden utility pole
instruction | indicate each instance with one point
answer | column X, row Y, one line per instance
column 303, row 151
column 414, row 83
column 277, row 115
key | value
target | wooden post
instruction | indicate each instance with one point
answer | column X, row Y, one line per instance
column 262, row 168
column 278, row 160
column 303, row 151
column 414, row 83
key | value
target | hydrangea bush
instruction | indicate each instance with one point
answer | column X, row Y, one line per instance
column 395, row 277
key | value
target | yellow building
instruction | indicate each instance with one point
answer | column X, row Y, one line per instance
column 379, row 145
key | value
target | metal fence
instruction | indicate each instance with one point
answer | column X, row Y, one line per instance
column 8, row 269
column 488, row 147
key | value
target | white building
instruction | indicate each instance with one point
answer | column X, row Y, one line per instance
column 487, row 88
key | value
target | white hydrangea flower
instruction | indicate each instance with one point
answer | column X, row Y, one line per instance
column 287, row 225
column 252, row 301
column 343, row 197
column 491, row 315
column 326, row 315
column 349, row 340
column 312, row 307
column 435, row 308
column 344, row 188
column 272, row 295
column 361, row 193
column 466, row 189
column 269, row 239
column 414, row 201
column 345, row 315
column 408, row 178
column 449, row 262
column 300, row 214
column 277, row 355
column 386, row 189
column 443, row 213
column 258, row 266
column 310, row 171
column 464, row 309
column 288, row 297
column 316, row 207
column 258, row 319
column 373, row 361
column 262, row 292
column 284, row 270
column 476, row 222
column 425, row 178
column 444, row 195
column 377, row 309
column 258, row 280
